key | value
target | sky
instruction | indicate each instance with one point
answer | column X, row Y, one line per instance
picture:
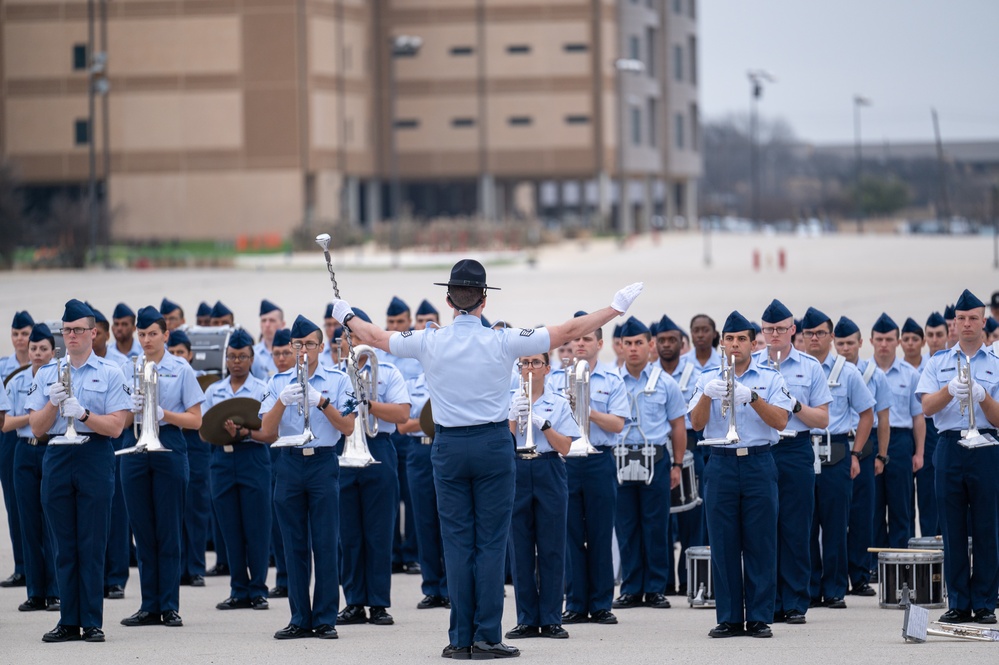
column 905, row 56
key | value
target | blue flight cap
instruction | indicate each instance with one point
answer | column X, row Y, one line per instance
column 361, row 314
column 219, row 310
column 756, row 327
column 910, row 326
column 776, row 312
column 98, row 316
column 485, row 322
column 426, row 308
column 147, row 317
column 967, row 301
column 736, row 322
column 266, row 307
column 845, row 327
column 633, row 327
column 396, row 307
column 653, row 328
column 949, row 313
column 990, row 325
column 40, row 331
column 240, row 339
column 281, row 338
column 122, row 311
column 76, row 310
column 302, row 328
column 666, row 324
column 22, row 320
column 167, row 306
column 813, row 318
column 178, row 338
column 329, row 311
column 337, row 334
column 884, row 324
column 617, row 331
column 579, row 314
column 935, row 319
column 204, row 309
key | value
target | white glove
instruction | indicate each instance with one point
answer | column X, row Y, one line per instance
column 538, row 420
column 71, row 408
column 341, row 308
column 519, row 407
column 977, row 393
column 138, row 400
column 291, row 394
column 716, row 389
column 742, row 394
column 623, row 298
column 794, row 402
column 57, row 393
column 958, row 389
column 314, row 396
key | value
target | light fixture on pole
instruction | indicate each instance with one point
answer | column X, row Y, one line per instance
column 858, row 102
column 757, row 77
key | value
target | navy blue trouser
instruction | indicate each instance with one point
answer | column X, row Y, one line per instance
column 860, row 534
column 120, row 535
column 925, row 490
column 426, row 523
column 404, row 545
column 36, row 536
column 369, row 501
column 796, row 485
column 741, row 502
column 833, row 490
column 77, row 485
column 241, row 493
column 690, row 525
column 198, row 507
column 475, row 477
column 155, row 486
column 893, row 493
column 307, row 496
column 642, row 523
column 537, row 530
column 277, row 542
column 8, row 444
column 593, row 492
column 968, row 491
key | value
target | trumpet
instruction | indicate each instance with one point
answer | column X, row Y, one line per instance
column 580, row 399
column 971, row 437
column 302, row 376
column 568, row 388
column 148, row 440
column 525, row 424
column 70, row 437
column 356, row 453
column 727, row 406
column 772, row 363
column 916, row 626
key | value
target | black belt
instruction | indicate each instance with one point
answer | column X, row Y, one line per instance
column 238, row 446
column 899, row 430
column 472, row 428
column 534, row 456
column 309, row 452
column 39, row 441
column 955, row 435
column 743, row 451
column 804, row 435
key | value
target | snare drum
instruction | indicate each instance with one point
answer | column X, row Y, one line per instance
column 700, row 590
column 926, row 543
column 922, row 572
column 685, row 496
column 208, row 345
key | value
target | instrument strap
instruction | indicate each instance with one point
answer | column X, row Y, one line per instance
column 650, row 386
column 688, row 372
column 869, row 372
column 837, row 369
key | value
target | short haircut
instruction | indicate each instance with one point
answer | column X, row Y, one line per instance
column 466, row 298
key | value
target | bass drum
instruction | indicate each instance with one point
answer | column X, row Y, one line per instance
column 208, row 345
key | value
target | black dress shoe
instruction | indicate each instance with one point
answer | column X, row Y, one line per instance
column 485, row 651
column 278, row 592
column 522, row 631
column 816, row 602
column 218, row 570
column 955, row 616
column 398, row 568
column 197, row 580
column 795, row 618
column 605, row 617
column 626, row 600
column 326, row 632
column 430, row 602
column 413, row 568
column 93, row 634
column 780, row 616
column 670, row 591
column 350, row 615
column 863, row 589
column 62, row 633
column 758, row 629
column 141, row 618
column 234, row 604
column 657, row 600
column 727, row 630
column 53, row 604
column 457, row 653
column 32, row 604
column 554, row 631
column 292, row 632
column 379, row 617
column 836, row 603
column 259, row 603
column 114, row 592
column 574, row 617
column 17, row 579
column 985, row 615
column 172, row 619
column 682, row 590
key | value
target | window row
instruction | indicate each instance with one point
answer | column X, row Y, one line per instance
column 521, row 49
column 513, row 121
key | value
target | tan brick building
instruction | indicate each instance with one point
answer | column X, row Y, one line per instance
column 232, row 117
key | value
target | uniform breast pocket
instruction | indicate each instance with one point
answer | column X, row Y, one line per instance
column 599, row 401
column 798, row 387
column 988, row 380
column 91, row 392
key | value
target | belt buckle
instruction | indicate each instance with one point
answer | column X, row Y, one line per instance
column 308, row 452
column 741, row 452
column 227, row 448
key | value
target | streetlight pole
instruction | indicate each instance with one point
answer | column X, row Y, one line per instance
column 858, row 102
column 756, row 80
column 401, row 46
column 623, row 66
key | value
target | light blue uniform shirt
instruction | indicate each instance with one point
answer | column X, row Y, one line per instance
column 113, row 356
column 804, row 379
column 555, row 409
column 331, row 383
column 607, row 395
column 134, row 352
column 7, row 366
column 97, row 384
column 220, row 391
column 263, row 362
column 6, row 403
column 16, row 395
column 418, row 396
column 178, row 386
column 713, row 362
column 686, row 387
column 392, row 389
column 849, row 398
column 942, row 368
column 410, row 368
column 651, row 412
column 768, row 384
column 468, row 367
column 902, row 379
column 878, row 385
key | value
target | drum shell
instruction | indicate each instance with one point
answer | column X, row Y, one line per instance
column 686, row 495
column 699, row 573
column 922, row 572
column 208, row 348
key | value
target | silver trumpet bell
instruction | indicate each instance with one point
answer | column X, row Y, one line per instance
column 148, row 440
column 526, row 425
column 356, row 453
column 916, row 626
column 306, row 436
column 580, row 383
column 70, row 438
column 971, row 437
column 727, row 407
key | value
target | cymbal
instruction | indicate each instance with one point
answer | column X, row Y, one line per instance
column 15, row 372
column 206, row 380
column 240, row 410
column 427, row 420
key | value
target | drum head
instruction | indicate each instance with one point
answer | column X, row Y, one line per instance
column 243, row 411
column 427, row 420
column 206, row 380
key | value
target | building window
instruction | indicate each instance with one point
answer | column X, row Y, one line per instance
column 462, row 122
column 650, row 48
column 679, row 131
column 81, row 132
column 678, row 198
column 692, row 50
column 695, row 128
column 407, row 123
column 349, row 130
column 634, row 47
column 677, row 6
column 462, row 50
column 520, row 120
column 678, row 62
column 636, row 125
column 518, row 49
column 653, row 119
column 79, row 56
column 577, row 119
column 575, row 48
column 693, row 9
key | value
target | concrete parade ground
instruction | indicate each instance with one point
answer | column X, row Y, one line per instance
column 859, row 276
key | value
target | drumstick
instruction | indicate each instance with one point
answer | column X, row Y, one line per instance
column 899, row 550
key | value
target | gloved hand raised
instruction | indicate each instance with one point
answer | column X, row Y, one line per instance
column 626, row 296
column 341, row 308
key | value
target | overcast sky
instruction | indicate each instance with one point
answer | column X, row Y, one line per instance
column 906, row 56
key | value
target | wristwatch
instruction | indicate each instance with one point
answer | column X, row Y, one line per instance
column 325, row 403
column 883, row 458
column 547, row 426
column 346, row 319
column 797, row 407
column 678, row 465
column 86, row 416
column 754, row 396
column 857, row 453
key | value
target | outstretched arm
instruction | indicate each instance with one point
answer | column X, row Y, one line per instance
column 579, row 326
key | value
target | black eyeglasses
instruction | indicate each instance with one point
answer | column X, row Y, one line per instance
column 771, row 330
column 75, row 331
column 282, row 354
column 533, row 364
column 242, row 358
column 818, row 334
column 310, row 346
